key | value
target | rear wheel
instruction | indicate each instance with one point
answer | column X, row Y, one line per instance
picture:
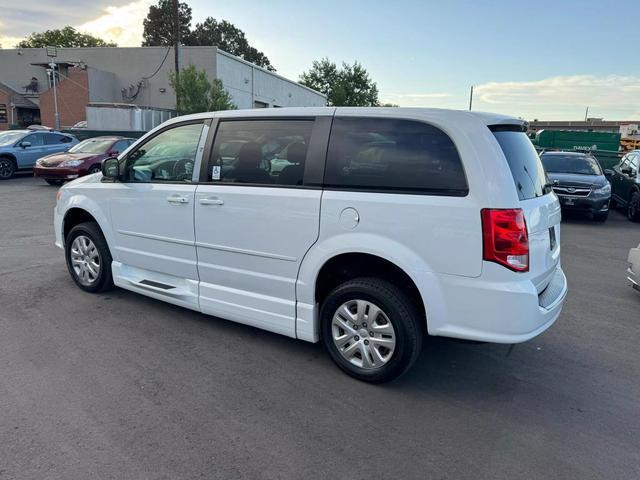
column 7, row 168
column 633, row 208
column 53, row 182
column 371, row 329
column 88, row 258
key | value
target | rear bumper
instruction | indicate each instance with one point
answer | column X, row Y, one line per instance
column 57, row 173
column 584, row 204
column 499, row 312
column 633, row 272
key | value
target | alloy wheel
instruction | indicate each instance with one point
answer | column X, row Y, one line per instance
column 363, row 334
column 6, row 168
column 85, row 260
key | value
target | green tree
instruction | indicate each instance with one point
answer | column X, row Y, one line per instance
column 67, row 37
column 349, row 85
column 229, row 38
column 159, row 26
column 195, row 93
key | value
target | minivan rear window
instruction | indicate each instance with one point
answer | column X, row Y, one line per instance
column 526, row 168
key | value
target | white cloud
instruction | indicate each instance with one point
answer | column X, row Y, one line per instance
column 7, row 41
column 563, row 97
column 122, row 25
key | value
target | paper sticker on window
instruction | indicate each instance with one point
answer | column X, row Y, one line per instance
column 215, row 174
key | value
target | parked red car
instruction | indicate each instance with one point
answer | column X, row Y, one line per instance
column 82, row 159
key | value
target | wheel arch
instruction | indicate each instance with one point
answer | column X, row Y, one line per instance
column 82, row 210
column 403, row 263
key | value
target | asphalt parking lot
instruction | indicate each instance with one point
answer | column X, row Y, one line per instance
column 121, row 386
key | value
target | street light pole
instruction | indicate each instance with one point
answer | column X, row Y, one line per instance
column 52, row 52
column 471, row 98
column 55, row 95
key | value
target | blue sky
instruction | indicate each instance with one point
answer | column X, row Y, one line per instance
column 544, row 59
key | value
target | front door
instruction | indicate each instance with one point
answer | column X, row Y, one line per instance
column 36, row 148
column 256, row 216
column 152, row 216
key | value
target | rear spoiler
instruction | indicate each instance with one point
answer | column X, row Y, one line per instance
column 509, row 127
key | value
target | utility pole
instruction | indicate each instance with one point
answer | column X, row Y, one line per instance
column 52, row 52
column 176, row 36
column 471, row 98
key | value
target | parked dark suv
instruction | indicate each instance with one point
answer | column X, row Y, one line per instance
column 625, row 185
column 579, row 182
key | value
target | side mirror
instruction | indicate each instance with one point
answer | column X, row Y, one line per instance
column 626, row 170
column 111, row 168
column 608, row 172
column 113, row 153
column 25, row 144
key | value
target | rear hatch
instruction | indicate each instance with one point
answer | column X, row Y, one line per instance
column 540, row 206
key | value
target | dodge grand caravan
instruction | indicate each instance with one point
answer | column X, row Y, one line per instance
column 363, row 228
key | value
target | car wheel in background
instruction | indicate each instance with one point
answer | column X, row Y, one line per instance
column 88, row 258
column 633, row 208
column 94, row 169
column 53, row 182
column 371, row 329
column 7, row 168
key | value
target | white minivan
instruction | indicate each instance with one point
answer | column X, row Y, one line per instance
column 363, row 228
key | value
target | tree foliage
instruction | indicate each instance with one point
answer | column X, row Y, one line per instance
column 159, row 30
column 229, row 38
column 195, row 93
column 67, row 37
column 349, row 85
column 159, row 25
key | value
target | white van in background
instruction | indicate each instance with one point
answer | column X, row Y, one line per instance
column 365, row 228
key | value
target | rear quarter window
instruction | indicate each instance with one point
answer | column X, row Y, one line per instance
column 526, row 168
column 393, row 155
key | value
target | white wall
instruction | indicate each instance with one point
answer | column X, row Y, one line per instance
column 247, row 84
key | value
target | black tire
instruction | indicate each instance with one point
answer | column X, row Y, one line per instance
column 405, row 317
column 53, row 182
column 104, row 280
column 601, row 217
column 7, row 168
column 633, row 208
column 94, row 169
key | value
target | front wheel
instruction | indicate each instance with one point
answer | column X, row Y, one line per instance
column 53, row 182
column 94, row 169
column 88, row 258
column 7, row 168
column 633, row 208
column 371, row 329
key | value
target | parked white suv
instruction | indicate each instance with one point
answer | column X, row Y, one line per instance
column 365, row 228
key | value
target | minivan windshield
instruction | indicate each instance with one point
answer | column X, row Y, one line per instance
column 576, row 164
column 526, row 168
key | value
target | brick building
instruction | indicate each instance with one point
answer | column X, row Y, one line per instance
column 136, row 76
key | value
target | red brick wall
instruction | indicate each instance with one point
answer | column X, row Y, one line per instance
column 73, row 96
column 6, row 100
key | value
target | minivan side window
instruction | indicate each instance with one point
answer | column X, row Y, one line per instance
column 260, row 152
column 169, row 156
column 393, row 155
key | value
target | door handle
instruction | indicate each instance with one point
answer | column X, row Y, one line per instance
column 211, row 201
column 177, row 199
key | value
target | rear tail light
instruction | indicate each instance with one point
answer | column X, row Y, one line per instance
column 505, row 239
